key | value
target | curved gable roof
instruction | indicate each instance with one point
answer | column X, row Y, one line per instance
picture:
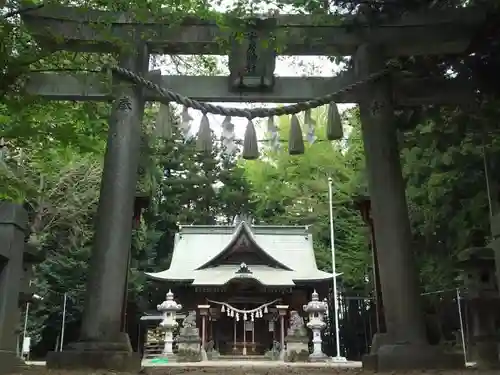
column 241, row 230
column 197, row 245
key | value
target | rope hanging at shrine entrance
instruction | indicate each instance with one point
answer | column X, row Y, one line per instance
column 234, row 312
column 296, row 146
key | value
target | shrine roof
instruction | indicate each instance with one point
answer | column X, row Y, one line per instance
column 287, row 251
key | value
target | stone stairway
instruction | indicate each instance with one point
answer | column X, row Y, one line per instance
column 153, row 350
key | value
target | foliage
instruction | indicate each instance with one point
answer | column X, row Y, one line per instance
column 195, row 188
column 293, row 190
column 443, row 162
column 60, row 189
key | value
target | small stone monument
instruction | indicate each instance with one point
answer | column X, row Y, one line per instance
column 478, row 266
column 297, row 339
column 316, row 310
column 169, row 309
column 189, row 341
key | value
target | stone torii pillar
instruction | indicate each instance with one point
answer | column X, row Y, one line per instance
column 405, row 345
column 102, row 343
column 13, row 226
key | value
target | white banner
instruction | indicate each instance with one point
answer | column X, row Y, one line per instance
column 26, row 345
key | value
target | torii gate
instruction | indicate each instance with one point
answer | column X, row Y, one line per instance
column 429, row 32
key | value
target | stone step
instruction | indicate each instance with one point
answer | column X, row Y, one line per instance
column 153, row 350
column 242, row 358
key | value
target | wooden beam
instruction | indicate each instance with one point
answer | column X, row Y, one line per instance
column 431, row 32
column 407, row 91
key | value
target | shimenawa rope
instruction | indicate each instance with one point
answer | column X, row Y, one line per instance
column 171, row 96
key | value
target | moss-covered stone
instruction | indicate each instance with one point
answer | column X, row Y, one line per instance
column 213, row 355
column 187, row 355
column 272, row 355
column 294, row 356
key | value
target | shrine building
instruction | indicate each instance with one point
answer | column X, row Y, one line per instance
column 240, row 274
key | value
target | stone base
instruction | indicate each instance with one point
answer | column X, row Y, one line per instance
column 378, row 340
column 10, row 363
column 105, row 360
column 170, row 357
column 213, row 355
column 412, row 357
column 282, row 355
column 297, row 349
column 116, row 355
column 203, row 353
column 189, row 355
column 319, row 357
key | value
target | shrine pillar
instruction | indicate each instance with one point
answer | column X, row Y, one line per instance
column 103, row 344
column 204, row 311
column 282, row 311
column 405, row 345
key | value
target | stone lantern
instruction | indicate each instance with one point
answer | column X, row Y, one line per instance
column 169, row 309
column 316, row 310
column 481, row 291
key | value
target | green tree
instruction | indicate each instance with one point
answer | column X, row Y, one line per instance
column 446, row 187
column 293, row 190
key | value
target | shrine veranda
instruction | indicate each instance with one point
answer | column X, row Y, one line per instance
column 377, row 86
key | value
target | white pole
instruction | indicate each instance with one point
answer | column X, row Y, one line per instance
column 25, row 324
column 338, row 357
column 63, row 324
column 462, row 334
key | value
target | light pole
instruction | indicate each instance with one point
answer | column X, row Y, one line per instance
column 63, row 323
column 338, row 357
column 25, row 328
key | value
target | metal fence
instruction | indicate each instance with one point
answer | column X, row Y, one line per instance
column 447, row 323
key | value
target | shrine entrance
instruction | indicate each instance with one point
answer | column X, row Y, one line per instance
column 246, row 323
column 375, row 80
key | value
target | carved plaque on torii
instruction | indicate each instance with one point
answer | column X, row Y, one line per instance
column 252, row 57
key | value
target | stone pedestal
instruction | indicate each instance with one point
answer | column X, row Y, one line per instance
column 168, row 346
column 317, row 354
column 13, row 224
column 297, row 340
column 411, row 357
column 189, row 348
column 189, row 341
column 484, row 342
column 297, row 348
column 116, row 355
column 11, row 363
column 481, row 293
